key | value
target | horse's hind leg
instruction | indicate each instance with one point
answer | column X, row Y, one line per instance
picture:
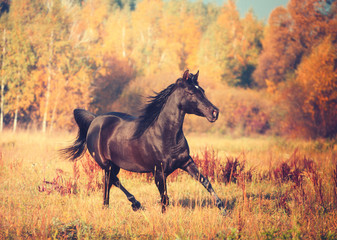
column 115, row 181
column 109, row 172
column 107, row 186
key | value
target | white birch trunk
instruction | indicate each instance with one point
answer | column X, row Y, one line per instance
column 15, row 123
column 2, row 82
column 46, row 110
column 54, row 113
column 123, row 42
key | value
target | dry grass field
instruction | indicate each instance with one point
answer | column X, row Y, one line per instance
column 274, row 188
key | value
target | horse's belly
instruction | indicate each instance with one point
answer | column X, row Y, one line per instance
column 134, row 167
column 131, row 160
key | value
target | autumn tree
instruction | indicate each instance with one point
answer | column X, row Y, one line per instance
column 18, row 61
column 180, row 38
column 312, row 95
column 279, row 54
column 251, row 46
column 90, row 54
column 109, row 83
column 117, row 36
column 298, row 65
column 291, row 34
column 230, row 46
column 49, row 62
column 228, row 36
column 63, row 66
column 312, row 20
column 146, row 31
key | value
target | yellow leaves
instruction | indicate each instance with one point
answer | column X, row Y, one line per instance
column 271, row 86
column 117, row 38
column 94, row 12
column 316, row 72
column 164, row 39
column 155, row 37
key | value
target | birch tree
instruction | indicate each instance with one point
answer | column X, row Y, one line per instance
column 3, row 59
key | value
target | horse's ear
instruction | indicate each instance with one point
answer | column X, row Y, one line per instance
column 196, row 77
column 186, row 74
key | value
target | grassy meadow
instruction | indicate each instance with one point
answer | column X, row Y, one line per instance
column 275, row 188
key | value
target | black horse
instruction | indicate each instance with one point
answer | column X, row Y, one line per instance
column 153, row 142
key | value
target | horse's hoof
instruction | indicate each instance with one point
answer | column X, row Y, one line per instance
column 163, row 209
column 136, row 206
column 220, row 204
column 222, row 208
column 224, row 212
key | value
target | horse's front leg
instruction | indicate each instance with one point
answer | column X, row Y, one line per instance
column 192, row 169
column 160, row 180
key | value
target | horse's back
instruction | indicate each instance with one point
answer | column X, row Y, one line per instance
column 123, row 116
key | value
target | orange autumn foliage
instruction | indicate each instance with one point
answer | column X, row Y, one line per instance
column 313, row 93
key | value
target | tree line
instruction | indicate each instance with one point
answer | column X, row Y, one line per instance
column 106, row 55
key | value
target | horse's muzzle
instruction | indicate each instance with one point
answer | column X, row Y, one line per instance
column 214, row 115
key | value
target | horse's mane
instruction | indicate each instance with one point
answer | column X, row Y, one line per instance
column 152, row 110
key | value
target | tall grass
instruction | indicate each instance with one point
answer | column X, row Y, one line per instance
column 273, row 188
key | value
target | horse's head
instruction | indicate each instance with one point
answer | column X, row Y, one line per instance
column 193, row 99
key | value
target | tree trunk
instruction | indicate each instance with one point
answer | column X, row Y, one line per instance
column 123, row 42
column 53, row 115
column 16, row 114
column 2, row 82
column 46, row 110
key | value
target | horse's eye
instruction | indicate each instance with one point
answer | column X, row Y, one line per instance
column 190, row 92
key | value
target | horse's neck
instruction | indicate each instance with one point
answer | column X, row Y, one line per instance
column 171, row 118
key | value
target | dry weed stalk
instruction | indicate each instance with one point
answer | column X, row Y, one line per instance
column 234, row 170
column 70, row 185
column 334, row 177
column 1, row 160
column 59, row 184
column 316, row 180
column 208, row 163
column 92, row 171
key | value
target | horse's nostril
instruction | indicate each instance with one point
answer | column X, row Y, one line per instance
column 215, row 113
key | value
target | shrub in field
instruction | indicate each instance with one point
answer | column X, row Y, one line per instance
column 88, row 175
column 92, row 172
column 234, row 170
column 282, row 173
column 292, row 169
column 307, row 186
column 247, row 112
column 86, row 172
column 208, row 163
column 212, row 166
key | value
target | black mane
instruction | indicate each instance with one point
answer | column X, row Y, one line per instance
column 152, row 110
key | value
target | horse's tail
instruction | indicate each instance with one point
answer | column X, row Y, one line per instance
column 83, row 119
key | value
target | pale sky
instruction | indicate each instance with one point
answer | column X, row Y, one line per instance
column 262, row 8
